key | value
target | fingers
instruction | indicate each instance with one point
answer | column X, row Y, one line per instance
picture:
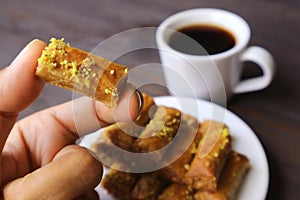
column 35, row 140
column 73, row 172
column 92, row 195
column 84, row 115
column 127, row 109
column 18, row 86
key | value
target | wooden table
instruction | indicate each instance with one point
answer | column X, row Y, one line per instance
column 273, row 113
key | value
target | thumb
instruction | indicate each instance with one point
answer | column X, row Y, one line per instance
column 73, row 173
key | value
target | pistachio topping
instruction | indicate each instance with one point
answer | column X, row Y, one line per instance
column 107, row 91
column 225, row 132
column 56, row 48
column 88, row 62
column 74, row 69
column 194, row 150
column 186, row 166
column 207, row 163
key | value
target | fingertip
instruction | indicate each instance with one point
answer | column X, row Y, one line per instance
column 18, row 81
column 91, row 195
column 27, row 60
column 32, row 49
column 129, row 106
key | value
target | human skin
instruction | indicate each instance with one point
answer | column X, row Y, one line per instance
column 39, row 157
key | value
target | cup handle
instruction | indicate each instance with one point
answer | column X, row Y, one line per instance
column 265, row 61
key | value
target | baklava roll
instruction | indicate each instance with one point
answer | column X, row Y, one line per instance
column 212, row 152
column 230, row 180
column 71, row 68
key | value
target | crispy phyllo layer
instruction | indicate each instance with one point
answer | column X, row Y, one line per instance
column 177, row 191
column 192, row 160
column 182, row 150
column 120, row 184
column 151, row 186
column 131, row 186
column 230, row 181
column 204, row 170
column 148, row 187
column 159, row 131
column 121, row 136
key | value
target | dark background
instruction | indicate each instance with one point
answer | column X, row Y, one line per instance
column 273, row 113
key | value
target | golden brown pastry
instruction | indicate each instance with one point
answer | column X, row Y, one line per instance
column 112, row 144
column 184, row 148
column 122, row 135
column 176, row 191
column 204, row 171
column 159, row 131
column 133, row 186
column 230, row 180
column 148, row 187
column 65, row 66
column 120, row 184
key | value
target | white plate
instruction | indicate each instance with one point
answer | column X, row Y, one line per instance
column 245, row 141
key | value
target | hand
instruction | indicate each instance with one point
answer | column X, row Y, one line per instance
column 39, row 157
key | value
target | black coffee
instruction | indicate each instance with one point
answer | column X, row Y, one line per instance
column 212, row 40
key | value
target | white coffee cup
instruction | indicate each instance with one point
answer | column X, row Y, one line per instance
column 213, row 77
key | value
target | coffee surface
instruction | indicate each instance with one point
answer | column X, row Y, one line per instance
column 212, row 40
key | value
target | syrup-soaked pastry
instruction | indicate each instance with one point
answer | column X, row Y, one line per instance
column 133, row 186
column 122, row 135
column 120, row 184
column 205, row 169
column 208, row 169
column 183, row 147
column 71, row 68
column 230, row 180
column 115, row 135
column 114, row 142
column 148, row 187
column 177, row 191
column 159, row 131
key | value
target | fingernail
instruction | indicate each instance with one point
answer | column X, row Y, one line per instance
column 141, row 100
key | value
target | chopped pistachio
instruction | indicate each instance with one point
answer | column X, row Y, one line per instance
column 87, row 82
column 107, row 91
column 207, row 164
column 186, row 166
column 225, row 132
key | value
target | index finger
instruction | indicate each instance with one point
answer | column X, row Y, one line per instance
column 85, row 115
